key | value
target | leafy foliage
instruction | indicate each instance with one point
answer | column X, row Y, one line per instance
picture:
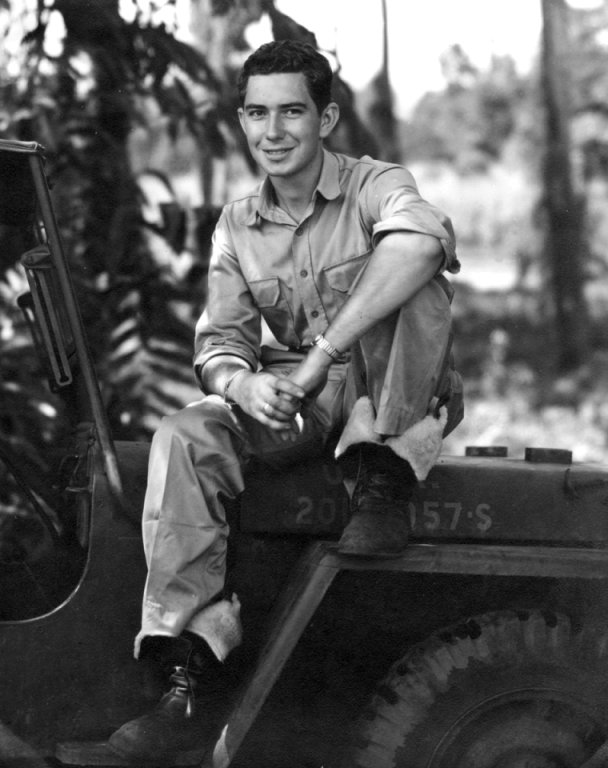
column 28, row 417
column 481, row 115
column 470, row 123
column 81, row 104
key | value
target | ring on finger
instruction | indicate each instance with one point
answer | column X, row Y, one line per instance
column 267, row 408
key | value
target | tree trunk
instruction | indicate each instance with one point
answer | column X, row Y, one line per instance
column 381, row 110
column 564, row 236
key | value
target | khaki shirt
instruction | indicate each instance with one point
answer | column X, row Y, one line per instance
column 297, row 276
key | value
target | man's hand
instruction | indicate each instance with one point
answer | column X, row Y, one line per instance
column 311, row 376
column 272, row 400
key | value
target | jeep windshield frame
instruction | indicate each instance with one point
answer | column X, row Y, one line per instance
column 25, row 202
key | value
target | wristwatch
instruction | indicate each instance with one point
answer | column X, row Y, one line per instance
column 321, row 342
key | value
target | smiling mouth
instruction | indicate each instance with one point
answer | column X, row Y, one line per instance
column 276, row 152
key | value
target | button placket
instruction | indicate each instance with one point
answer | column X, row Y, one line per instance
column 304, row 272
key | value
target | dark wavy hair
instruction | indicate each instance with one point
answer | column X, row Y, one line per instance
column 282, row 56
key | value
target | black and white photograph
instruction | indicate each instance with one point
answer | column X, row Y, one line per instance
column 303, row 384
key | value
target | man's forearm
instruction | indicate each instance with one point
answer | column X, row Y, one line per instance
column 219, row 370
column 402, row 263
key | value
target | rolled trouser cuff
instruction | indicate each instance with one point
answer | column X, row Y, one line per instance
column 359, row 428
column 219, row 624
column 420, row 445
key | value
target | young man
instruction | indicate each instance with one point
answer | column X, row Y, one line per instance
column 342, row 259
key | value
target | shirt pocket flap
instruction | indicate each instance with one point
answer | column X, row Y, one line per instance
column 266, row 293
column 342, row 277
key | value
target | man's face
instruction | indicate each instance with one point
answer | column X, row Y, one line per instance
column 283, row 127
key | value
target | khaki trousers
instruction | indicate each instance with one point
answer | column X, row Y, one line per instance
column 199, row 454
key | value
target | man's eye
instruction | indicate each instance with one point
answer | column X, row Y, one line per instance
column 293, row 112
column 255, row 114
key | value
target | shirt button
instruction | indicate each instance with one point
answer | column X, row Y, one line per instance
column 314, row 313
column 298, row 231
column 303, row 273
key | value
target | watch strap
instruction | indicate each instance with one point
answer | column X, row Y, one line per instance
column 321, row 342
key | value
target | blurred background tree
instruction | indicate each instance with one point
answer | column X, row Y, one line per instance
column 144, row 147
column 565, row 241
column 86, row 77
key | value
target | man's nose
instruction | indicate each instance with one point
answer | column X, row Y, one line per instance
column 274, row 127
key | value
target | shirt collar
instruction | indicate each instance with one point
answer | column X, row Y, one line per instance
column 329, row 181
column 328, row 186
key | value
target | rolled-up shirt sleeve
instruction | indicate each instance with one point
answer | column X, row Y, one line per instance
column 231, row 323
column 392, row 203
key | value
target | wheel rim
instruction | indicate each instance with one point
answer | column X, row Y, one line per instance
column 526, row 728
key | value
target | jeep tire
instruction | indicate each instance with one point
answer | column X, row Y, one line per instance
column 501, row 690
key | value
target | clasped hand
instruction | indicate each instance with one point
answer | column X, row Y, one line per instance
column 272, row 400
column 276, row 401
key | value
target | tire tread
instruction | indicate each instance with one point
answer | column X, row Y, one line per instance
column 497, row 638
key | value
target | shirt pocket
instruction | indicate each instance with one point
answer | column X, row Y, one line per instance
column 342, row 278
column 270, row 296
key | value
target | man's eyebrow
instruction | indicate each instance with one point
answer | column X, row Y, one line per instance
column 288, row 105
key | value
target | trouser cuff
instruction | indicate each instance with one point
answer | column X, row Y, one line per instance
column 420, row 444
column 219, row 624
column 359, row 428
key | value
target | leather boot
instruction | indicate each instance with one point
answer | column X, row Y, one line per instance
column 379, row 523
column 173, row 725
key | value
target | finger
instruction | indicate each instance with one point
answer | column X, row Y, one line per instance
column 286, row 426
column 280, row 408
column 285, row 398
column 295, row 427
column 286, row 387
column 272, row 413
column 283, row 408
column 288, row 435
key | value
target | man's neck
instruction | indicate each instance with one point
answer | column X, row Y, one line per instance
column 294, row 194
column 295, row 205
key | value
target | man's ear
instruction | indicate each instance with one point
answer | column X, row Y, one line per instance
column 329, row 118
column 241, row 114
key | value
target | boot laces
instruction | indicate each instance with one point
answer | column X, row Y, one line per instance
column 183, row 685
